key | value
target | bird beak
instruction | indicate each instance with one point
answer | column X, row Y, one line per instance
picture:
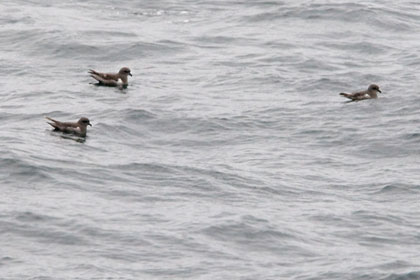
column 379, row 90
column 130, row 74
column 90, row 124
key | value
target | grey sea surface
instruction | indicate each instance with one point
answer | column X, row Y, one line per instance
column 229, row 156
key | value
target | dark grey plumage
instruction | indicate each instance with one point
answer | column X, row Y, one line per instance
column 78, row 128
column 370, row 93
column 111, row 79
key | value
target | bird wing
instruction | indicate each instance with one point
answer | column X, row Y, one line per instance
column 106, row 82
column 75, row 130
column 62, row 126
column 54, row 123
column 356, row 96
column 68, row 129
column 105, row 76
column 360, row 95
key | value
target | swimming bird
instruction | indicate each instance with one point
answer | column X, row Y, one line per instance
column 370, row 93
column 79, row 128
column 111, row 79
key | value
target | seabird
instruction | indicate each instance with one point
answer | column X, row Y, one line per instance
column 111, row 79
column 79, row 128
column 370, row 93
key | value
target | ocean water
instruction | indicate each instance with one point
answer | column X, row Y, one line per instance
column 229, row 156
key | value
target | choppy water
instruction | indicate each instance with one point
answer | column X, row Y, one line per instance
column 230, row 155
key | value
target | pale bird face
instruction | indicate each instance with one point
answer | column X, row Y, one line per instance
column 85, row 121
column 125, row 71
column 374, row 88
